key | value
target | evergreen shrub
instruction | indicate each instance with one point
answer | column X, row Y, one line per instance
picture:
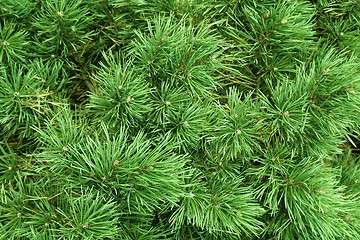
column 179, row 119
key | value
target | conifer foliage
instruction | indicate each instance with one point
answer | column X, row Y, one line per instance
column 179, row 119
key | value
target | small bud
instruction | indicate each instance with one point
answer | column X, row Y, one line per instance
column 239, row 213
column 6, row 43
column 86, row 225
column 46, row 225
column 129, row 99
column 19, row 214
column 61, row 14
column 149, row 62
column 352, row 90
column 284, row 21
column 16, row 94
column 326, row 70
column 165, row 37
column 52, row 55
column 120, row 87
column 65, row 148
column 238, row 132
column 189, row 75
column 103, row 178
column 286, row 114
column 214, row 57
column 341, row 34
column 236, row 116
column 10, row 168
column 186, row 124
column 151, row 168
column 348, row 218
column 191, row 194
column 167, row 103
column 267, row 14
column 322, row 192
column 275, row 68
column 116, row 163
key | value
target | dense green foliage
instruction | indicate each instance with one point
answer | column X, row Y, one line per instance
column 179, row 119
